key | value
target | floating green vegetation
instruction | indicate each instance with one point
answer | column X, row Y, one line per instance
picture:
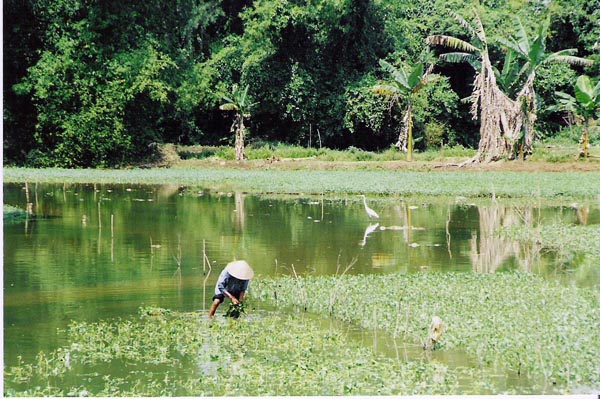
column 567, row 245
column 516, row 321
column 564, row 185
column 13, row 214
column 166, row 353
column 567, row 241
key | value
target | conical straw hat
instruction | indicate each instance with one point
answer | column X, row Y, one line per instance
column 240, row 269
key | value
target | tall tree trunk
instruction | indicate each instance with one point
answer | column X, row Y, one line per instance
column 528, row 115
column 409, row 154
column 487, row 105
column 240, row 133
column 404, row 142
column 585, row 140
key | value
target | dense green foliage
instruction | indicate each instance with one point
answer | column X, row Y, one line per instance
column 96, row 83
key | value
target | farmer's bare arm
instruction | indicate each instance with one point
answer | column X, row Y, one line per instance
column 234, row 300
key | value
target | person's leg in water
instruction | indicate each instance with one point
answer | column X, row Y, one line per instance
column 217, row 299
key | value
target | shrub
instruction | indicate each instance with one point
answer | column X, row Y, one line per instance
column 434, row 134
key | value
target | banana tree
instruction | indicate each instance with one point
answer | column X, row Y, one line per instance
column 506, row 123
column 406, row 85
column 585, row 104
column 488, row 102
column 240, row 103
column 532, row 52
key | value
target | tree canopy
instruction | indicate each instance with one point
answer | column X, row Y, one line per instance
column 97, row 83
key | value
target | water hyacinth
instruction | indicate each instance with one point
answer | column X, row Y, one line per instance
column 268, row 355
column 432, row 183
column 514, row 320
column 562, row 239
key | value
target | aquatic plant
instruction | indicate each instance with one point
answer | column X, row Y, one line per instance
column 235, row 310
column 562, row 185
column 12, row 214
column 513, row 320
column 565, row 240
column 267, row 355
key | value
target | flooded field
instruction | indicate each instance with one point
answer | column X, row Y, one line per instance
column 100, row 252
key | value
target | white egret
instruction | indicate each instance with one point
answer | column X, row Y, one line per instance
column 370, row 211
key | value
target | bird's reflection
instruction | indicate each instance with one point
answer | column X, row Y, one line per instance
column 370, row 228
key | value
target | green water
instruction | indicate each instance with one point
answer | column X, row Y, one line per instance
column 102, row 251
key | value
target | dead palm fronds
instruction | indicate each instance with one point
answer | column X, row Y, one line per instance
column 488, row 103
column 506, row 124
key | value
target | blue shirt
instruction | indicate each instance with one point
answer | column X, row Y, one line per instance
column 230, row 284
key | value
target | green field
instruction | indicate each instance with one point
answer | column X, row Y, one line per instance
column 466, row 183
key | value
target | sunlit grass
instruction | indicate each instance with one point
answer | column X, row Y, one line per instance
column 382, row 182
column 556, row 150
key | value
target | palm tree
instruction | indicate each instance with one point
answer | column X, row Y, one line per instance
column 533, row 53
column 238, row 102
column 405, row 85
column 585, row 104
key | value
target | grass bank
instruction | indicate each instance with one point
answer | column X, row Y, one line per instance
column 461, row 182
column 553, row 151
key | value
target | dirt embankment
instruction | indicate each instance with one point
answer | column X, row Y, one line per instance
column 591, row 165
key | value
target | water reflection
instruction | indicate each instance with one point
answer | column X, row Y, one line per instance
column 489, row 251
column 102, row 251
column 370, row 228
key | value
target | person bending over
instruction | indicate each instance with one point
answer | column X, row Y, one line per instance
column 233, row 283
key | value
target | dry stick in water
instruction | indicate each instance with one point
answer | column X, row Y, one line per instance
column 205, row 261
column 406, row 321
column 397, row 320
column 99, row 227
column 275, row 291
column 112, row 237
column 204, row 257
